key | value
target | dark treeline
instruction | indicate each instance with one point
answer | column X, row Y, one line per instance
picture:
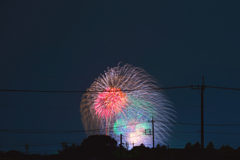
column 101, row 147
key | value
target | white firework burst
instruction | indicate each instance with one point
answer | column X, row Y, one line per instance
column 121, row 101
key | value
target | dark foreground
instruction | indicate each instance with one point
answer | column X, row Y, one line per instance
column 101, row 147
column 137, row 153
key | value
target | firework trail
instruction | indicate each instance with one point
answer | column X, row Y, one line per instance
column 121, row 101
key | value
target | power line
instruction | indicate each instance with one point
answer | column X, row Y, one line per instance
column 198, row 124
column 83, row 91
column 2, row 106
column 34, row 144
column 179, row 132
column 42, row 77
column 222, row 133
column 56, row 131
column 79, row 131
column 27, row 131
column 20, row 77
column 33, row 107
column 65, row 107
column 222, row 107
column 222, row 88
column 47, row 144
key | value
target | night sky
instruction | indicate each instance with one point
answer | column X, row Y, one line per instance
column 65, row 45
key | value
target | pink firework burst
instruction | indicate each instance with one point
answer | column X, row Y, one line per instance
column 110, row 102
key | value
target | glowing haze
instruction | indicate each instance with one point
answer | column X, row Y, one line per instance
column 122, row 101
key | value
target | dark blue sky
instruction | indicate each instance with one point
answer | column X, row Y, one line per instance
column 65, row 45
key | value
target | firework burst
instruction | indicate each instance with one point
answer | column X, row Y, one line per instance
column 121, row 101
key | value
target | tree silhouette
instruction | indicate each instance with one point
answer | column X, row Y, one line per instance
column 99, row 141
column 26, row 147
column 99, row 145
column 188, row 145
column 163, row 147
column 210, row 145
column 196, row 146
column 238, row 149
column 142, row 145
column 226, row 150
column 73, row 146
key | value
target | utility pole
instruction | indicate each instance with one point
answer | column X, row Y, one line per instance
column 202, row 114
column 152, row 130
column 120, row 146
column 202, row 120
column 26, row 147
column 133, row 150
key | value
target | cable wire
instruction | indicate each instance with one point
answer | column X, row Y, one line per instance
column 215, row 87
column 15, row 90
